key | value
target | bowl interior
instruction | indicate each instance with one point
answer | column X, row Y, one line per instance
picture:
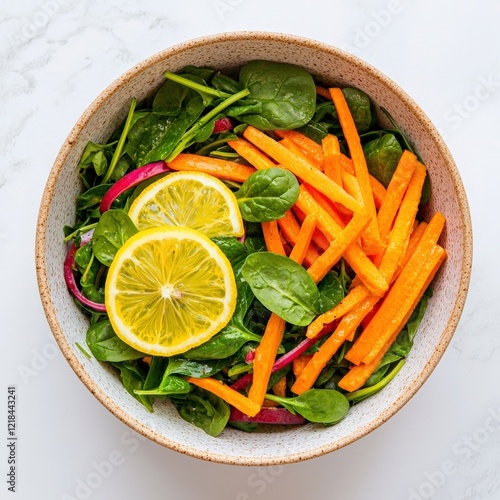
column 273, row 445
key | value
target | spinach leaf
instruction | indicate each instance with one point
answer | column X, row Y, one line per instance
column 112, row 231
column 231, row 248
column 286, row 92
column 360, row 107
column 382, row 157
column 170, row 385
column 133, row 378
column 96, row 156
column 331, row 292
column 244, row 426
column 255, row 244
column 225, row 83
column 208, row 412
column 90, row 270
column 192, row 368
column 168, row 100
column 92, row 197
column 267, row 195
column 105, row 345
column 324, row 406
column 283, row 286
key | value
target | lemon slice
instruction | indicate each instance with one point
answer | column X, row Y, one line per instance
column 168, row 290
column 189, row 199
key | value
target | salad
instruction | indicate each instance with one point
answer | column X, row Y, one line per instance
column 251, row 248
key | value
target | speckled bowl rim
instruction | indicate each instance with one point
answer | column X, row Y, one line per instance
column 48, row 194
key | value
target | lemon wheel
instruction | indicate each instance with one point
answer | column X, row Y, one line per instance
column 189, row 199
column 169, row 289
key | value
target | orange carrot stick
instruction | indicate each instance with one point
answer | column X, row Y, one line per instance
column 331, row 158
column 251, row 154
column 279, row 388
column 345, row 328
column 230, row 396
column 298, row 364
column 338, row 247
column 318, row 237
column 223, row 169
column 329, row 206
column 371, row 237
column 297, row 151
column 395, row 191
column 323, row 92
column 272, row 237
column 351, row 185
column 312, row 150
column 412, row 244
column 303, row 241
column 300, row 168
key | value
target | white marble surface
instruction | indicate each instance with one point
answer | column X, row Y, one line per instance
column 56, row 56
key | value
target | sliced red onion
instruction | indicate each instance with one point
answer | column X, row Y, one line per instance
column 71, row 282
column 86, row 237
column 131, row 180
column 287, row 358
column 223, row 125
column 250, row 356
column 278, row 416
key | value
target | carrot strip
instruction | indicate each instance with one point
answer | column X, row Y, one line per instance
column 230, row 396
column 223, row 169
column 354, row 298
column 272, row 237
column 297, row 151
column 300, row 168
column 338, row 247
column 395, row 191
column 378, row 189
column 251, row 154
column 298, row 364
column 312, row 150
column 354, row 255
column 331, row 158
column 279, row 388
column 290, row 229
column 412, row 244
column 357, row 376
column 303, row 241
column 345, row 329
column 329, row 206
column 351, row 185
column 396, row 305
column 323, row 92
column 318, row 237
column 371, row 237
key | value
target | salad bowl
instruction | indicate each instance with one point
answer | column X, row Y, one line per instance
column 273, row 444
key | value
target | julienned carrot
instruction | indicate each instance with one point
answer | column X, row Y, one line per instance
column 290, row 229
column 328, row 206
column 354, row 255
column 351, row 185
column 230, row 396
column 223, row 169
column 312, row 150
column 395, row 191
column 378, row 190
column 272, row 237
column 357, row 376
column 354, row 298
column 396, row 305
column 252, row 155
column 344, row 330
column 300, row 363
column 318, row 237
column 303, row 241
column 297, row 151
column 323, row 92
column 414, row 239
column 338, row 247
column 331, row 158
column 279, row 388
column 371, row 237
column 300, row 168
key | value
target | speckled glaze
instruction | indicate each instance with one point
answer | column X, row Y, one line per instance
column 273, row 445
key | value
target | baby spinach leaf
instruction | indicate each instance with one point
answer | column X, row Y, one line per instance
column 192, row 368
column 112, row 231
column 382, row 157
column 267, row 195
column 360, row 108
column 225, row 83
column 255, row 244
column 286, row 92
column 133, row 378
column 324, row 406
column 168, row 100
column 231, row 247
column 208, row 412
column 283, row 286
column 90, row 269
column 92, row 197
column 105, row 345
column 244, row 426
column 331, row 292
column 170, row 385
column 95, row 155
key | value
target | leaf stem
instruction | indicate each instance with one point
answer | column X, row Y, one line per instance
column 118, row 151
column 195, row 86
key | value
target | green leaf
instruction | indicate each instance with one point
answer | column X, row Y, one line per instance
column 267, row 195
column 331, row 292
column 105, row 345
column 286, row 92
column 382, row 157
column 283, row 286
column 192, row 368
column 112, row 231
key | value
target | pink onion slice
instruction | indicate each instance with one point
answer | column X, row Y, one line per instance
column 223, row 125
column 130, row 180
column 278, row 416
column 71, row 282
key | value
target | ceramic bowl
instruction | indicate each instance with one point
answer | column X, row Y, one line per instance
column 276, row 445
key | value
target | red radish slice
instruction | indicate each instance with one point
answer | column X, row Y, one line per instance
column 131, row 180
column 278, row 416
